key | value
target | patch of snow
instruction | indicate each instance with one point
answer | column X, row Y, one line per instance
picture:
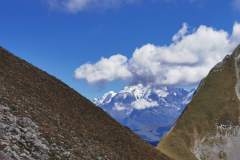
column 161, row 93
column 142, row 104
column 138, row 91
column 119, row 107
column 106, row 98
column 188, row 98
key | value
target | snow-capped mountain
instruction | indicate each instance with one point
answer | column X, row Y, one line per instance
column 148, row 111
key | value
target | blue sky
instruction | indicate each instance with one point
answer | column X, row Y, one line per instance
column 58, row 38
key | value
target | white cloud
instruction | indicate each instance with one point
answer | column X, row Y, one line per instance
column 107, row 69
column 235, row 34
column 75, row 6
column 185, row 61
column 181, row 33
column 80, row 5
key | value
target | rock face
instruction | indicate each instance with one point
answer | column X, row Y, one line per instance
column 149, row 111
column 209, row 129
column 41, row 118
column 20, row 138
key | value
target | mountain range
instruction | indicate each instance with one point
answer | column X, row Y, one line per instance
column 149, row 111
column 41, row 118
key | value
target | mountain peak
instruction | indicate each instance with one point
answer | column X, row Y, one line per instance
column 138, row 91
column 149, row 111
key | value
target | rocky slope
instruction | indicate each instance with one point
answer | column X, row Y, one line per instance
column 41, row 118
column 149, row 111
column 209, row 129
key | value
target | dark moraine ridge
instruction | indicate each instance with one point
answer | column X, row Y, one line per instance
column 42, row 118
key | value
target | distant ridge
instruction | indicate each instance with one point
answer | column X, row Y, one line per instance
column 41, row 118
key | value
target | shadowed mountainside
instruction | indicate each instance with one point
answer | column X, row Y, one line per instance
column 209, row 128
column 42, row 118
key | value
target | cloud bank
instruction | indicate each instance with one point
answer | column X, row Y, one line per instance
column 185, row 61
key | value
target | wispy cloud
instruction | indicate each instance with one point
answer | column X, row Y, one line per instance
column 236, row 4
column 80, row 5
column 186, row 61
column 75, row 6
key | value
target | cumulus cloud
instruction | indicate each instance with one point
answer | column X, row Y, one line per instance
column 185, row 61
column 107, row 69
